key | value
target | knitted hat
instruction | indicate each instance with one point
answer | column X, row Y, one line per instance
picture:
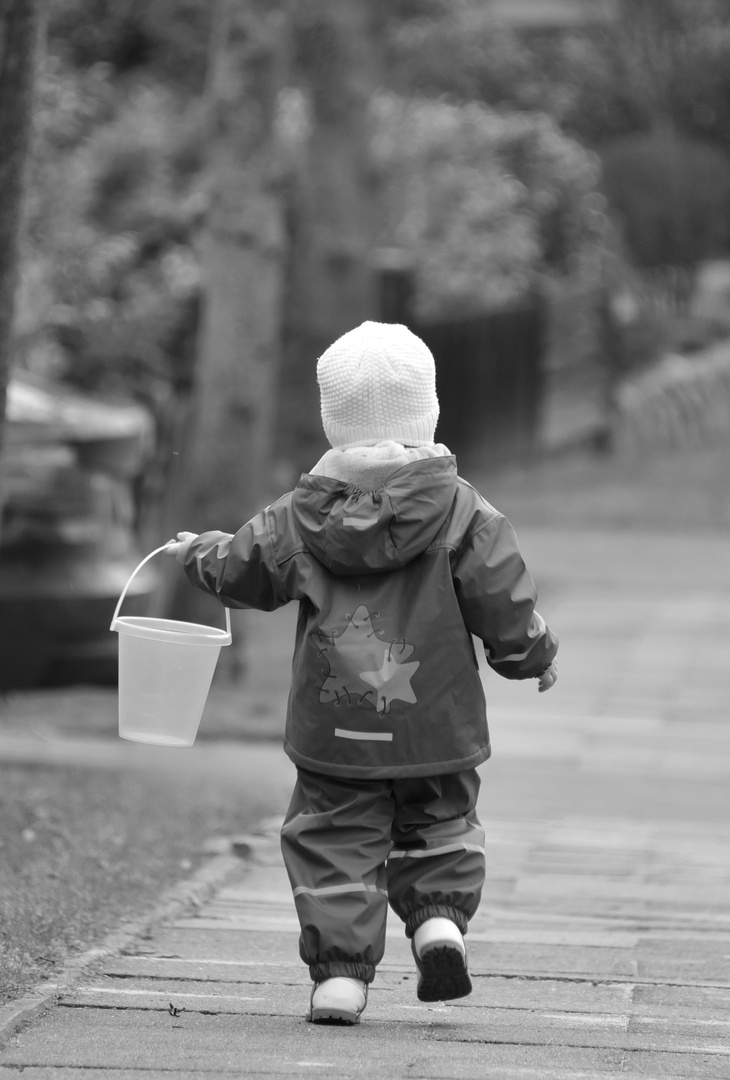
column 378, row 382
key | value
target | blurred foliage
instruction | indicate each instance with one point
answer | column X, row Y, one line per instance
column 662, row 61
column 659, row 59
column 169, row 37
column 482, row 177
column 485, row 201
column 649, row 91
column 454, row 49
column 110, row 282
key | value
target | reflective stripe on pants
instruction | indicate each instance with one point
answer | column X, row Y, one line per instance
column 351, row 846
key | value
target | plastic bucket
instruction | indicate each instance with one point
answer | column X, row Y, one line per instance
column 165, row 671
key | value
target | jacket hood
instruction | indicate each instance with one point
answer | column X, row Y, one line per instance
column 351, row 531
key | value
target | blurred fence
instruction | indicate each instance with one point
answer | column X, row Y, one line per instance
column 685, row 401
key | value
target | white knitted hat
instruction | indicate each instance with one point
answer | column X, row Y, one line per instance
column 378, row 382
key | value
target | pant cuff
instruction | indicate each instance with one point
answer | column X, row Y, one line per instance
column 433, row 911
column 350, row 969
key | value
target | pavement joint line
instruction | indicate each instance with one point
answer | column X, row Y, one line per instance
column 190, row 893
column 49, row 1069
column 628, row 980
column 196, row 963
column 182, row 979
column 617, row 980
column 566, row 1015
column 684, row 1051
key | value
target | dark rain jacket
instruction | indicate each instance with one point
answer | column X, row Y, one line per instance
column 391, row 585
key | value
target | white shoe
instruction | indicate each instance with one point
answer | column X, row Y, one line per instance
column 338, row 1000
column 440, row 953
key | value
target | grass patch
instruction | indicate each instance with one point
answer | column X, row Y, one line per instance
column 83, row 849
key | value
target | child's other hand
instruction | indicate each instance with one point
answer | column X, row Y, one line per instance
column 547, row 679
column 179, row 548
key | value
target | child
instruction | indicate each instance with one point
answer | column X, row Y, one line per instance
column 396, row 562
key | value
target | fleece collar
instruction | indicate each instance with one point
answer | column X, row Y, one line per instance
column 368, row 467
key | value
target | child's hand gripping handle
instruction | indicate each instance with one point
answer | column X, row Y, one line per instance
column 548, row 678
column 179, row 548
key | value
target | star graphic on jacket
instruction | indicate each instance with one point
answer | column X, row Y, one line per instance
column 392, row 682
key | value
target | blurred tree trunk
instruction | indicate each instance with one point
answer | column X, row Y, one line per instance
column 242, row 256
column 337, row 57
column 224, row 465
column 20, row 31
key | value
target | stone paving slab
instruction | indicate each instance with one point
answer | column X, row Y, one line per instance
column 494, row 991
column 436, row 1066
column 448, row 1046
column 423, row 1069
column 139, row 1038
column 173, row 969
column 699, row 960
column 672, row 998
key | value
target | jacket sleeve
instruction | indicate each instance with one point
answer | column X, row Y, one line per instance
column 240, row 570
column 497, row 597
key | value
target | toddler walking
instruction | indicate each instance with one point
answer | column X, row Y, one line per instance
column 395, row 562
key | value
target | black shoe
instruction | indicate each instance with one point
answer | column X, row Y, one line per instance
column 440, row 954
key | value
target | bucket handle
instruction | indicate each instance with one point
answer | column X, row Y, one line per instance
column 134, row 574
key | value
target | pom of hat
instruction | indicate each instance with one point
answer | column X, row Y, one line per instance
column 378, row 382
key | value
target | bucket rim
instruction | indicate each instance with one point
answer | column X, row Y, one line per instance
column 205, row 631
column 172, row 630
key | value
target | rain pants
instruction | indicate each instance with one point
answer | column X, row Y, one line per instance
column 353, row 846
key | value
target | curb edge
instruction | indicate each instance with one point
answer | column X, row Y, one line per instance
column 189, row 893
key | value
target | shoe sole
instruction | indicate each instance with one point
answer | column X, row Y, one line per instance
column 333, row 1016
column 443, row 974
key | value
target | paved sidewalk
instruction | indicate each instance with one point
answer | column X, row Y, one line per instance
column 602, row 946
